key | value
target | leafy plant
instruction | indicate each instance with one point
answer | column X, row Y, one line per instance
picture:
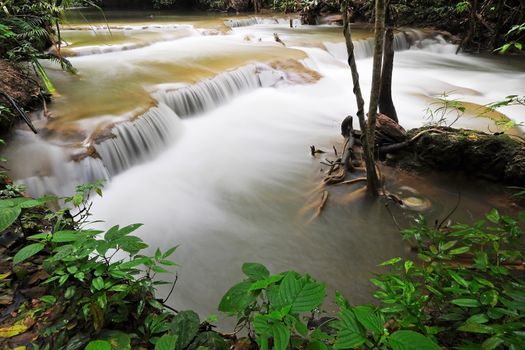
column 437, row 112
column 274, row 309
column 467, row 288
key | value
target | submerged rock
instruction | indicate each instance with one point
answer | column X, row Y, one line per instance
column 496, row 157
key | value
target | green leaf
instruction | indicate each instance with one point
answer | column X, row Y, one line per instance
column 98, row 283
column 350, row 334
column 493, row 216
column 491, row 343
column 392, row 261
column 490, row 297
column 460, row 280
column 465, row 302
column 237, row 298
column 98, row 345
column 460, row 250
column 366, row 316
column 410, row 340
column 302, row 293
column 8, row 216
column 281, row 336
column 169, row 252
column 65, row 236
column 48, row 299
column 186, row 326
column 166, row 342
column 476, row 328
column 262, row 284
column 255, row 271
column 27, row 252
column 519, row 46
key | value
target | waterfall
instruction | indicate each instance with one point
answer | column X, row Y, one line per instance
column 133, row 142
column 365, row 48
column 210, row 93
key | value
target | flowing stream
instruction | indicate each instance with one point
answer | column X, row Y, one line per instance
column 202, row 125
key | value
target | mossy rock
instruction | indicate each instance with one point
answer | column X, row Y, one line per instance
column 498, row 158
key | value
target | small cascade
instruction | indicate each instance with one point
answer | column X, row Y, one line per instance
column 210, row 93
column 135, row 141
column 66, row 177
column 47, row 168
column 251, row 21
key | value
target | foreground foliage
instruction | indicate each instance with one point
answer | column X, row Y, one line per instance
column 75, row 288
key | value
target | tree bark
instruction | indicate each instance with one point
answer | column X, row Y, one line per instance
column 371, row 173
column 386, row 105
column 379, row 32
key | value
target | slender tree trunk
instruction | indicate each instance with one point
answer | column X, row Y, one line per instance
column 386, row 105
column 379, row 30
column 371, row 173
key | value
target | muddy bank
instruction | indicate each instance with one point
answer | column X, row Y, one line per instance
column 496, row 157
column 18, row 83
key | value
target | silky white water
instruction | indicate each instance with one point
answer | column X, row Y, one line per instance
column 227, row 183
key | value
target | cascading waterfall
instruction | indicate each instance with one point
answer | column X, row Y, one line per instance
column 365, row 48
column 135, row 141
column 210, row 93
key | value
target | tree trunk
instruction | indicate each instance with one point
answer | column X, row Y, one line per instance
column 379, row 32
column 386, row 105
column 371, row 173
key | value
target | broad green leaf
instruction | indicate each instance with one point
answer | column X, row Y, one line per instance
column 31, row 203
column 491, row 343
column 65, row 236
column 237, row 298
column 255, row 271
column 281, row 336
column 366, row 316
column 98, row 283
column 27, row 252
column 350, row 334
column 8, row 216
column 261, row 326
column 465, row 302
column 166, row 342
column 302, row 293
column 479, row 318
column 186, row 326
column 98, row 345
column 410, row 340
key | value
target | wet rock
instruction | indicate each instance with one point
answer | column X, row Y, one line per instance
column 388, row 131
